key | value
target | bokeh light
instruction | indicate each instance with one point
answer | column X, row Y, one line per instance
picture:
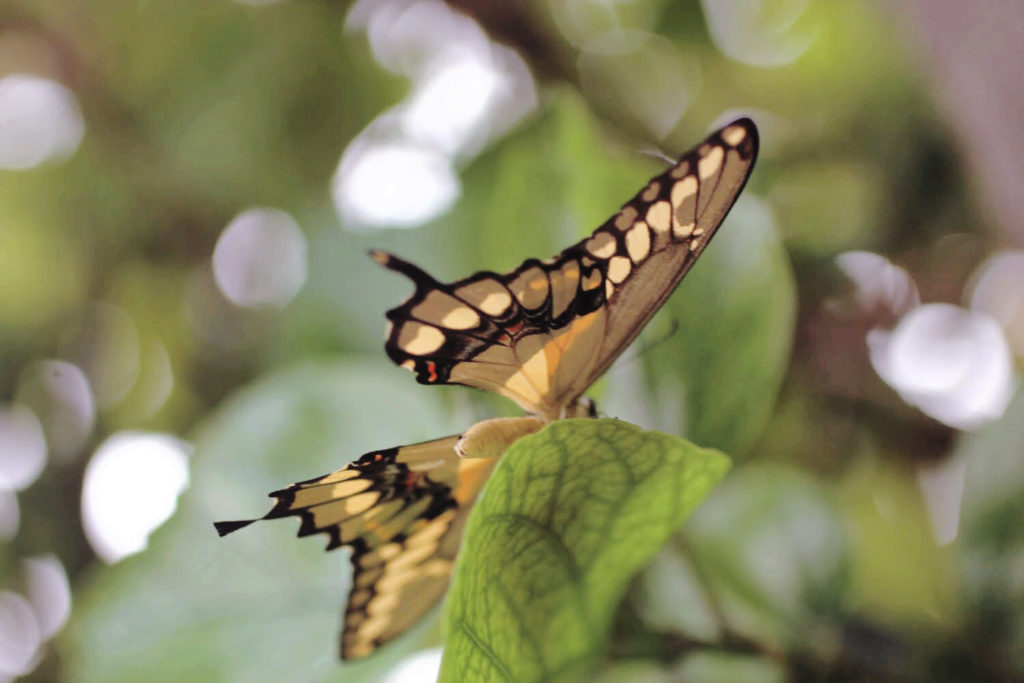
column 40, row 121
column 156, row 381
column 131, row 487
column 998, row 290
column 406, row 36
column 608, row 65
column 20, row 637
column 449, row 106
column 48, row 592
column 397, row 185
column 759, row 32
column 22, row 447
column 942, row 487
column 421, row 667
column 105, row 345
column 260, row 259
column 881, row 286
column 59, row 394
column 10, row 515
column 400, row 171
column 952, row 363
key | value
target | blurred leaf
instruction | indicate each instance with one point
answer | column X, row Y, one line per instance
column 898, row 573
column 735, row 311
column 770, row 554
column 259, row 605
column 712, row 667
column 825, row 208
column 569, row 517
column 992, row 537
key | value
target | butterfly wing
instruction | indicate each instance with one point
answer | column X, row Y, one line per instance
column 544, row 332
column 401, row 511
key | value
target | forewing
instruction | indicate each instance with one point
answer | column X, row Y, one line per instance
column 544, row 332
column 401, row 511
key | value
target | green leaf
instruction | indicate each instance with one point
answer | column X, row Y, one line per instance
column 569, row 517
column 260, row 605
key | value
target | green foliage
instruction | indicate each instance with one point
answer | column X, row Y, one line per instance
column 567, row 520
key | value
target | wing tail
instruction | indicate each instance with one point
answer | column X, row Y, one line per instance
column 225, row 528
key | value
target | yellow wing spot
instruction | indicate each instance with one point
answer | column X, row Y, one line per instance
column 684, row 201
column 432, row 531
column 697, row 232
column 530, row 287
column 349, row 488
column 340, row 475
column 564, row 283
column 659, row 216
column 365, row 579
column 388, row 330
column 314, row 495
column 386, row 601
column 409, row 364
column 684, row 189
column 711, row 162
column 372, row 628
column 489, row 295
column 462, row 318
column 651, row 192
column 625, row 218
column 411, row 556
column 359, row 598
column 681, row 170
column 592, row 281
column 446, row 310
column 419, row 339
column 601, row 245
column 393, row 583
column 586, row 261
column 638, row 242
column 694, row 245
column 618, row 269
column 357, row 505
column 733, row 135
column 609, row 289
column 386, row 552
column 680, row 230
column 496, row 303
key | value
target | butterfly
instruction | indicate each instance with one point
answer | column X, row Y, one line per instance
column 539, row 335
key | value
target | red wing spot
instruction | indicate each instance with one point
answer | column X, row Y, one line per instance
column 412, row 480
column 378, row 457
column 432, row 369
column 515, row 328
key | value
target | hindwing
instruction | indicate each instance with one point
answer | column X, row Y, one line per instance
column 401, row 512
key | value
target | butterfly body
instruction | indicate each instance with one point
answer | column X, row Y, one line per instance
column 539, row 335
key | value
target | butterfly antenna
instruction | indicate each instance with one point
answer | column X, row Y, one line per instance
column 420, row 277
column 655, row 153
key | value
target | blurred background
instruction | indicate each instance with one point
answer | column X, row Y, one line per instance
column 188, row 319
